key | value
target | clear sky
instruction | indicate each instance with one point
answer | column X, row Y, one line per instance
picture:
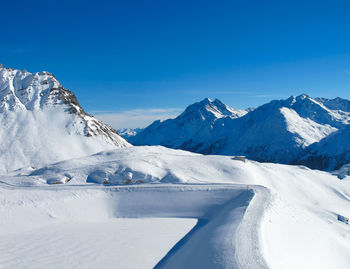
column 134, row 61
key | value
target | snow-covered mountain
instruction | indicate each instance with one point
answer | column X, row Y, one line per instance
column 190, row 129
column 330, row 153
column 276, row 132
column 128, row 132
column 42, row 122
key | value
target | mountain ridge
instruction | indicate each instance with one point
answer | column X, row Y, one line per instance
column 279, row 131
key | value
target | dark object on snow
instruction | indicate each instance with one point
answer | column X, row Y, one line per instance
column 240, row 158
column 343, row 219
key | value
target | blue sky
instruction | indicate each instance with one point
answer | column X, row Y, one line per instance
column 135, row 61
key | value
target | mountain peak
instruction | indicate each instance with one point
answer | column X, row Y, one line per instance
column 209, row 109
column 293, row 98
column 47, row 121
column 206, row 101
column 277, row 131
column 303, row 96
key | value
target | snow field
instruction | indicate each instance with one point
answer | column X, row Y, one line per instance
column 289, row 222
column 88, row 226
column 114, row 243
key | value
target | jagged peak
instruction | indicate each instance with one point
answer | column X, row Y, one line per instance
column 303, row 104
column 22, row 90
column 303, row 96
column 218, row 102
column 209, row 102
column 208, row 108
column 298, row 97
column 41, row 91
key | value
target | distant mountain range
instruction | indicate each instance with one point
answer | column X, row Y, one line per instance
column 42, row 122
column 298, row 130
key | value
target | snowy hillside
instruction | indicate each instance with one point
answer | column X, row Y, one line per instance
column 330, row 153
column 42, row 122
column 275, row 132
column 221, row 213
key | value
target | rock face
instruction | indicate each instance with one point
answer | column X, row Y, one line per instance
column 43, row 122
column 280, row 131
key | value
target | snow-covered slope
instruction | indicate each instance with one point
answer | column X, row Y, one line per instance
column 41, row 122
column 277, row 131
column 330, row 153
column 290, row 222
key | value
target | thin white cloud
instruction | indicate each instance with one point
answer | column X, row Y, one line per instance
column 136, row 118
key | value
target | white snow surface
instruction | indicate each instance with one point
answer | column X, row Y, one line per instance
column 250, row 215
column 307, row 130
column 41, row 122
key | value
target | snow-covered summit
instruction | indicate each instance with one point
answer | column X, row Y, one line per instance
column 128, row 132
column 43, row 122
column 208, row 109
column 21, row 90
column 190, row 128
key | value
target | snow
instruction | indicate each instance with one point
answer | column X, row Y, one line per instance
column 43, row 123
column 308, row 130
column 36, row 138
column 189, row 129
column 128, row 132
column 250, row 214
column 164, row 215
column 343, row 172
column 330, row 153
column 279, row 131
column 73, row 193
column 85, row 244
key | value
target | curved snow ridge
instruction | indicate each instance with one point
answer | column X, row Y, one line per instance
column 226, row 238
column 248, row 229
column 226, row 235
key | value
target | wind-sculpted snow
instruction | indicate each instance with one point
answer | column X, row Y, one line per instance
column 41, row 122
column 209, row 244
column 216, row 241
column 290, row 223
